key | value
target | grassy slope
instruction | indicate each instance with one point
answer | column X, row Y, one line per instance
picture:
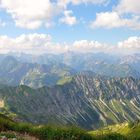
column 64, row 80
column 43, row 132
column 124, row 131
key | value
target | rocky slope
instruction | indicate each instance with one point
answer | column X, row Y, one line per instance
column 86, row 100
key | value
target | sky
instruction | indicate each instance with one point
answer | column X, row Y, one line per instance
column 57, row 26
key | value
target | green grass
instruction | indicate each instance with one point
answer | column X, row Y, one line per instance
column 44, row 132
column 124, row 131
column 64, row 80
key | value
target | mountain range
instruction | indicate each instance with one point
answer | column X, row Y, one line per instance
column 87, row 101
column 50, row 69
column 87, row 90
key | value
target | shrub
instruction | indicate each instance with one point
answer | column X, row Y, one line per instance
column 8, row 135
column 61, row 133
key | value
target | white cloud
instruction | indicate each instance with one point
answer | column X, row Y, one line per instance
column 88, row 46
column 132, row 43
column 31, row 43
column 108, row 20
column 128, row 6
column 68, row 18
column 128, row 46
column 114, row 20
column 125, row 14
column 31, row 14
column 24, row 43
column 42, row 43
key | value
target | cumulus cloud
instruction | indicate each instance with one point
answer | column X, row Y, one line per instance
column 131, row 43
column 88, row 46
column 24, row 43
column 32, row 44
column 68, row 18
column 128, row 6
column 43, row 43
column 125, row 14
column 30, row 14
column 108, row 20
column 114, row 20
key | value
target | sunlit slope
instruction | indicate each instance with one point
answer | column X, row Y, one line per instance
column 126, row 131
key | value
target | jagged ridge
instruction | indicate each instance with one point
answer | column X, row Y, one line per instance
column 88, row 101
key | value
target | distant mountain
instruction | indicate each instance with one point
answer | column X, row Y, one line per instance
column 104, row 64
column 132, row 60
column 86, row 100
column 100, row 63
column 50, row 69
column 13, row 72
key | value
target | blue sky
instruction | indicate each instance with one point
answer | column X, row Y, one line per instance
column 67, row 21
